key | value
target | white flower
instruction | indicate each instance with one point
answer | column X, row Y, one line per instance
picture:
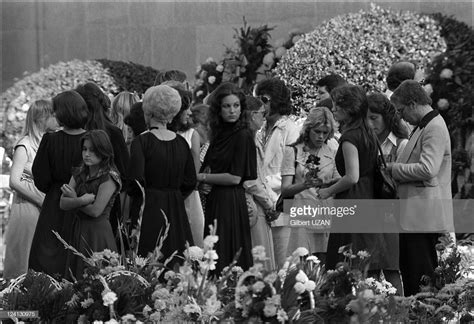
column 209, row 60
column 368, row 294
column 146, row 310
column 155, row 317
column 269, row 59
column 220, row 68
column 300, row 252
column 310, row 285
column 109, row 298
column 299, row 287
column 159, row 304
column 199, row 93
column 129, row 317
column 210, row 240
column 169, row 275
column 258, row 286
column 443, row 104
column 194, row 253
column 428, row 89
column 280, row 52
column 141, row 262
column 314, row 259
column 211, row 255
column 111, row 321
column 269, row 310
column 25, row 107
column 97, row 322
column 87, row 302
column 363, row 254
column 446, row 74
column 160, row 293
column 282, row 316
column 271, row 278
column 191, row 309
column 211, row 79
column 258, row 253
column 301, row 277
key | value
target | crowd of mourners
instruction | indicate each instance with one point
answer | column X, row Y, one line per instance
column 87, row 165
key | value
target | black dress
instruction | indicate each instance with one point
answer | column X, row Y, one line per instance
column 232, row 151
column 57, row 154
column 166, row 170
column 363, row 189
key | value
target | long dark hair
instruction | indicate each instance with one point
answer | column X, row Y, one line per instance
column 215, row 100
column 98, row 105
column 379, row 104
column 101, row 146
column 353, row 100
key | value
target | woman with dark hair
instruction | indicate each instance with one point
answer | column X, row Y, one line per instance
column 355, row 162
column 57, row 154
column 98, row 104
column 181, row 124
column 162, row 163
column 230, row 160
column 277, row 132
column 387, row 124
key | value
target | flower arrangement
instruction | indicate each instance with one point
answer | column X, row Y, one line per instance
column 312, row 167
column 243, row 62
column 360, row 47
column 208, row 77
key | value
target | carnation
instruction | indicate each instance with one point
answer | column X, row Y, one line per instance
column 310, row 285
column 443, row 104
column 299, row 287
column 109, row 298
column 269, row 310
column 301, row 277
column 282, row 317
column 258, row 286
column 211, row 79
column 446, row 74
column 258, row 253
column 194, row 253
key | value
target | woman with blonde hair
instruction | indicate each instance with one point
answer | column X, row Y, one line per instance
column 309, row 164
column 120, row 109
column 162, row 162
column 28, row 199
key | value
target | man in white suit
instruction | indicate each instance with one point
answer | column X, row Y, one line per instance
column 423, row 172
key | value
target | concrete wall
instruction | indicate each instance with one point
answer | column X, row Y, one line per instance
column 163, row 35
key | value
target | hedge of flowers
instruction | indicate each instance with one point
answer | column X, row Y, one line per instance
column 360, row 47
column 130, row 289
column 112, row 76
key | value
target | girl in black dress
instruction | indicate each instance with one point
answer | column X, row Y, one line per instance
column 57, row 153
column 231, row 160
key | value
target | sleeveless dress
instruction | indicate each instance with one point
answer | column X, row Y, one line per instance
column 57, row 154
column 92, row 234
column 166, row 170
column 193, row 203
column 232, row 151
column 23, row 218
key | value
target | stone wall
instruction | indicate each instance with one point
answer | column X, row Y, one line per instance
column 159, row 34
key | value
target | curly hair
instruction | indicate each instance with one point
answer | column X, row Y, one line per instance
column 317, row 117
column 279, row 93
column 225, row 89
column 161, row 103
column 380, row 104
column 98, row 104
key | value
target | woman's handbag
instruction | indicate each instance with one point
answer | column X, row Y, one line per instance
column 385, row 187
column 279, row 203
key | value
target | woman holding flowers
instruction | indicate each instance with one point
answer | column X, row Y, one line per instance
column 307, row 165
column 231, row 160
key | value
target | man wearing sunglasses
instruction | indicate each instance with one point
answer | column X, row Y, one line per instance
column 277, row 132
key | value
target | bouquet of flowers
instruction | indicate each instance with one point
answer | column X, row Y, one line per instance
column 208, row 77
column 312, row 167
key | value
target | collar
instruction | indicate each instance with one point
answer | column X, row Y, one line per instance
column 427, row 118
column 391, row 138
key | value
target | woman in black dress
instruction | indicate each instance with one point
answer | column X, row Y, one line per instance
column 57, row 154
column 355, row 162
column 162, row 162
column 231, row 159
column 98, row 104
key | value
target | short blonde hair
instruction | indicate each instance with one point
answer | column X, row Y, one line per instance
column 161, row 103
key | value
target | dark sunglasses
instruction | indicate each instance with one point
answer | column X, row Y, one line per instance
column 264, row 99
